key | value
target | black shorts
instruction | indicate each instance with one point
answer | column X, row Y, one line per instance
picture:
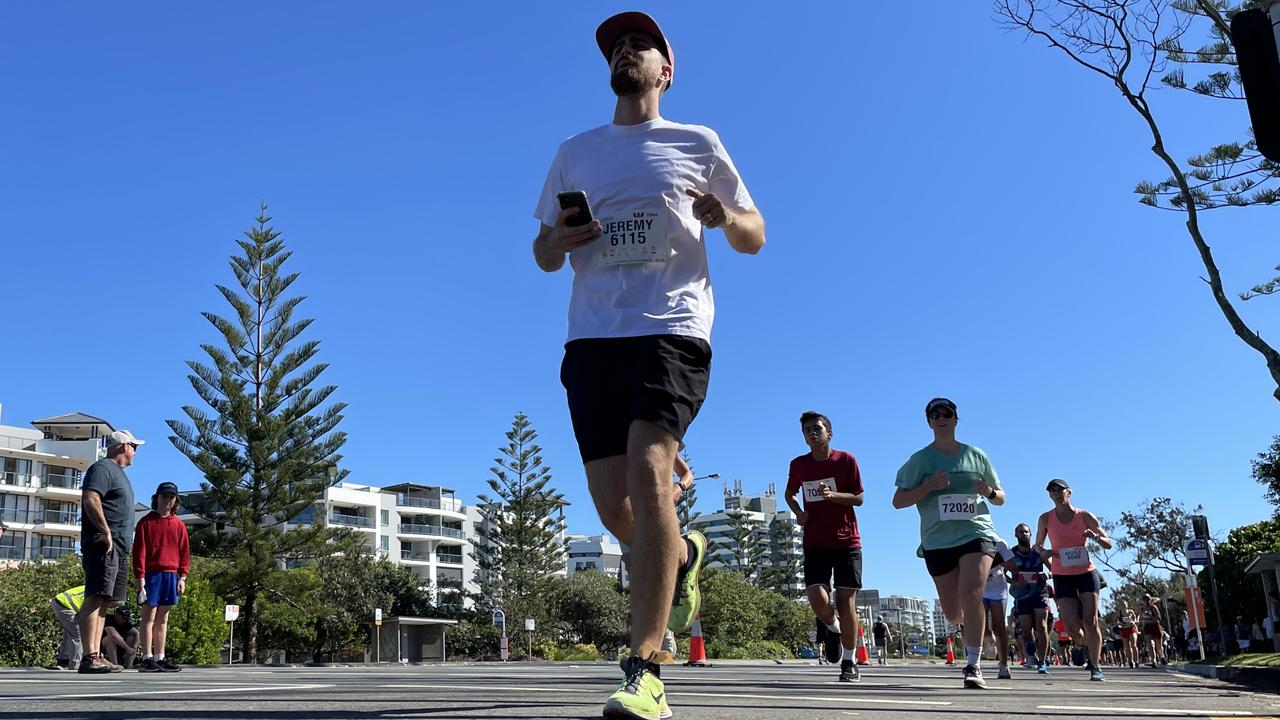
column 944, row 560
column 106, row 573
column 1071, row 587
column 1029, row 605
column 845, row 563
column 612, row 382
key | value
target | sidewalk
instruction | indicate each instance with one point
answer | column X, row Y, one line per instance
column 1258, row 671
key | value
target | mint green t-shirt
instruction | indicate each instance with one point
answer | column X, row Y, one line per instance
column 958, row 514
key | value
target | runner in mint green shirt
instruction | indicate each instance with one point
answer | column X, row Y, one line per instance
column 953, row 486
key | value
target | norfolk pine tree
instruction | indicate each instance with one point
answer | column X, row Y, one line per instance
column 521, row 536
column 266, row 448
column 1131, row 43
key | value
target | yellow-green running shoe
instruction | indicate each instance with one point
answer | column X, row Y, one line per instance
column 642, row 694
column 688, row 600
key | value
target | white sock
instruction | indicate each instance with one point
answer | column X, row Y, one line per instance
column 973, row 655
column 148, row 656
column 848, row 654
column 834, row 626
column 159, row 657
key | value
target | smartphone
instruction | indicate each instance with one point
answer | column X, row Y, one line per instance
column 578, row 199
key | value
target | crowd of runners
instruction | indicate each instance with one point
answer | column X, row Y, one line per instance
column 628, row 205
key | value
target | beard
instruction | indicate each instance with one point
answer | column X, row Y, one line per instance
column 633, row 80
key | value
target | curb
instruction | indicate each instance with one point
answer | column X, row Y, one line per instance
column 1259, row 678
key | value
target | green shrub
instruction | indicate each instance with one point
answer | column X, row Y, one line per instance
column 197, row 625
column 29, row 633
column 472, row 639
column 581, row 652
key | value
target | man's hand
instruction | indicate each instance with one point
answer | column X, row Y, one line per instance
column 826, row 491
column 940, row 480
column 802, row 517
column 564, row 238
column 709, row 210
column 105, row 536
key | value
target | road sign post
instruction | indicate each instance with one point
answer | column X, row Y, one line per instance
column 528, row 628
column 231, row 613
column 377, row 625
column 500, row 618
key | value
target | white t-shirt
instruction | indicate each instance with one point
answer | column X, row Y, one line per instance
column 635, row 177
column 997, row 584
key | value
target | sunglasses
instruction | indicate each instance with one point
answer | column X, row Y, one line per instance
column 132, row 445
column 943, row 413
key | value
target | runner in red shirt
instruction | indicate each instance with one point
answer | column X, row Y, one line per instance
column 832, row 487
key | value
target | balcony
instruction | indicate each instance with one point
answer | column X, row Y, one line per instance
column 14, row 479
column 357, row 521
column 447, row 583
column 455, row 558
column 51, row 552
column 59, row 517
column 62, row 481
column 8, row 552
column 413, row 556
column 13, row 515
column 432, row 530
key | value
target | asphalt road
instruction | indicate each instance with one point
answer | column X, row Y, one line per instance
column 739, row 690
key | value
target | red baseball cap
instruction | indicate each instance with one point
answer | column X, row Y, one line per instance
column 615, row 27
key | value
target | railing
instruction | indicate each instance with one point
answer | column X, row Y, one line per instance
column 14, row 515
column 351, row 520
column 449, row 584
column 49, row 552
column 14, row 552
column 438, row 531
column 61, row 517
column 66, row 481
column 13, row 442
column 13, row 478
column 407, row 501
column 411, row 555
column 455, row 558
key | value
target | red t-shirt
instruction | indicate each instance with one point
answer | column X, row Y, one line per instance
column 831, row 526
column 160, row 544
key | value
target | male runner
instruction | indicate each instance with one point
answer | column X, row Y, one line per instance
column 1030, row 595
column 953, row 486
column 832, row 487
column 994, row 596
column 638, row 356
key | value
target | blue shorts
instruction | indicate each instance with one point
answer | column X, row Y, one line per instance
column 162, row 588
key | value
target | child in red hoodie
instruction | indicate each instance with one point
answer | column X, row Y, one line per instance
column 161, row 560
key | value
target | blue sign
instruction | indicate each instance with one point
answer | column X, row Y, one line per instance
column 499, row 618
column 1197, row 552
column 920, row 649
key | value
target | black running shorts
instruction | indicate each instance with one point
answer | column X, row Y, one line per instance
column 1072, row 586
column 105, row 573
column 845, row 564
column 612, row 382
column 944, row 560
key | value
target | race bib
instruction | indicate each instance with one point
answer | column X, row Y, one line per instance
column 1028, row 578
column 635, row 237
column 813, row 489
column 1073, row 557
column 957, row 507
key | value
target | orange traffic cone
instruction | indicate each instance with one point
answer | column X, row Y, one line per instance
column 951, row 652
column 697, row 650
column 861, row 654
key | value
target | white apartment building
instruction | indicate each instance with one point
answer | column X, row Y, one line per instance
column 941, row 628
column 761, row 511
column 594, row 552
column 41, row 469
column 419, row 526
column 912, row 611
column 476, row 527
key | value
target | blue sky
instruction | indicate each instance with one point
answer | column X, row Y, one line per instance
column 949, row 212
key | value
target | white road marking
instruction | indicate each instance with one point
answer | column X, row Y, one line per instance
column 183, row 691
column 1112, row 710
column 681, row 693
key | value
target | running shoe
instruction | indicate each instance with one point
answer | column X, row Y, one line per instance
column 642, row 694
column 1043, row 669
column 1003, row 673
column 1095, row 674
column 687, row 599
column 167, row 665
column 97, row 664
column 849, row 671
column 831, row 645
column 973, row 678
column 148, row 665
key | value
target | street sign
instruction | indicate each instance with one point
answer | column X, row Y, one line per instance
column 377, row 616
column 920, row 649
column 1200, row 527
column 528, row 624
column 1197, row 552
column 1194, row 600
column 500, row 618
column 233, row 613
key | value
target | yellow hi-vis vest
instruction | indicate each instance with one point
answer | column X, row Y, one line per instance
column 71, row 599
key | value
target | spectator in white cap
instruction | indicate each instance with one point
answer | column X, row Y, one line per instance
column 106, row 534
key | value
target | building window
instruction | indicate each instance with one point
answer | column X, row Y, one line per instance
column 384, row 540
column 13, row 508
column 386, row 520
column 13, row 545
